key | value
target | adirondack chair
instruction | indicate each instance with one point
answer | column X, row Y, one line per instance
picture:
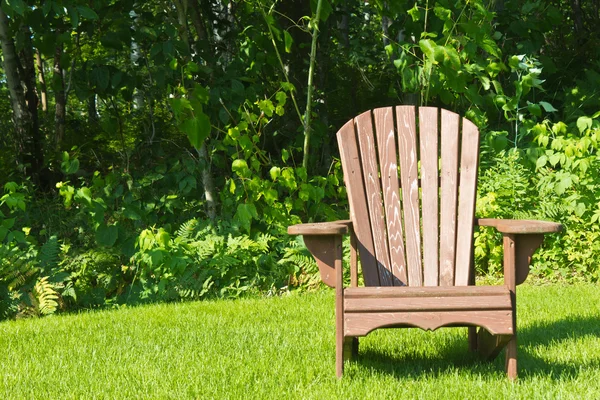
column 411, row 177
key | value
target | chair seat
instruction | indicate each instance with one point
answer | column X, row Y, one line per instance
column 368, row 308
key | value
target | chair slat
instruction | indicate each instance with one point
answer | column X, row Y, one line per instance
column 428, row 134
column 466, row 203
column 388, row 164
column 368, row 154
column 353, row 178
column 407, row 150
column 449, row 189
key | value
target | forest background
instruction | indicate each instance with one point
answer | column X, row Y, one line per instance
column 157, row 150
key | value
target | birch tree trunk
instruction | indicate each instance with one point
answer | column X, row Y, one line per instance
column 207, row 179
column 42, row 79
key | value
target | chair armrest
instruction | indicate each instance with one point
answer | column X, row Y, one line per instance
column 521, row 239
column 341, row 227
column 519, row 226
column 324, row 241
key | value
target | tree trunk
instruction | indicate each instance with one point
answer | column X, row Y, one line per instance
column 42, row 80
column 22, row 119
column 59, row 96
column 92, row 111
column 208, row 181
column 197, row 20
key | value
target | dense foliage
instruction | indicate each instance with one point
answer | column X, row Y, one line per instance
column 158, row 150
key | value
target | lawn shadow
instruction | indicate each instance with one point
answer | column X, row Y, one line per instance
column 454, row 355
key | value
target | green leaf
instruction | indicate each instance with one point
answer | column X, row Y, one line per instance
column 427, row 46
column 17, row 6
column 240, row 167
column 547, row 106
column 534, row 109
column 46, row 7
column 86, row 194
column 288, row 41
column 541, row 162
column 275, row 172
column 281, row 98
column 197, row 129
column 414, row 13
column 554, row 159
column 101, row 77
column 584, row 123
column 446, row 55
column 87, row 12
column 244, row 215
column 107, row 235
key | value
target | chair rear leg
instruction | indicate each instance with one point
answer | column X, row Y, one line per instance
column 339, row 351
column 350, row 348
column 472, row 338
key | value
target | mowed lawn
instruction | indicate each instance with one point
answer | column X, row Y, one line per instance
column 274, row 348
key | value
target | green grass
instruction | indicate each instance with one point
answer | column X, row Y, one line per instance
column 284, row 348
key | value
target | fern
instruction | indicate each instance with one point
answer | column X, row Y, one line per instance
column 187, row 229
column 48, row 254
column 45, row 296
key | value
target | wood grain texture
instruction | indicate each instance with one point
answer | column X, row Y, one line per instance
column 388, row 165
column 526, row 246
column 321, row 228
column 428, row 134
column 339, row 307
column 449, row 192
column 407, row 154
column 469, row 161
column 353, row 179
column 370, row 165
column 426, row 291
column 498, row 322
column 353, row 260
column 520, row 226
column 455, row 303
column 510, row 280
column 323, row 251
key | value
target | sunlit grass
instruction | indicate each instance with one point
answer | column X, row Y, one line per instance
column 284, row 348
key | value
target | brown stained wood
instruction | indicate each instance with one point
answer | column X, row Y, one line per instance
column 323, row 251
column 388, row 164
column 353, row 178
column 350, row 348
column 339, row 307
column 509, row 247
column 520, row 226
column 449, row 195
column 489, row 346
column 321, row 228
column 526, row 245
column 455, row 303
column 428, row 135
column 469, row 160
column 369, row 172
column 498, row 322
column 510, row 280
column 426, row 291
column 370, row 165
column 407, row 154
column 511, row 359
column 353, row 260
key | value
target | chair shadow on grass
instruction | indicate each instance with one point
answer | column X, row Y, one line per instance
column 454, row 355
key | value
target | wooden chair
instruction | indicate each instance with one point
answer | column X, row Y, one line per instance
column 411, row 178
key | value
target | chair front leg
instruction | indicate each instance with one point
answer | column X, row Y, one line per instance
column 339, row 307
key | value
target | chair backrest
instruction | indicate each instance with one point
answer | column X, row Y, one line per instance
column 411, row 179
